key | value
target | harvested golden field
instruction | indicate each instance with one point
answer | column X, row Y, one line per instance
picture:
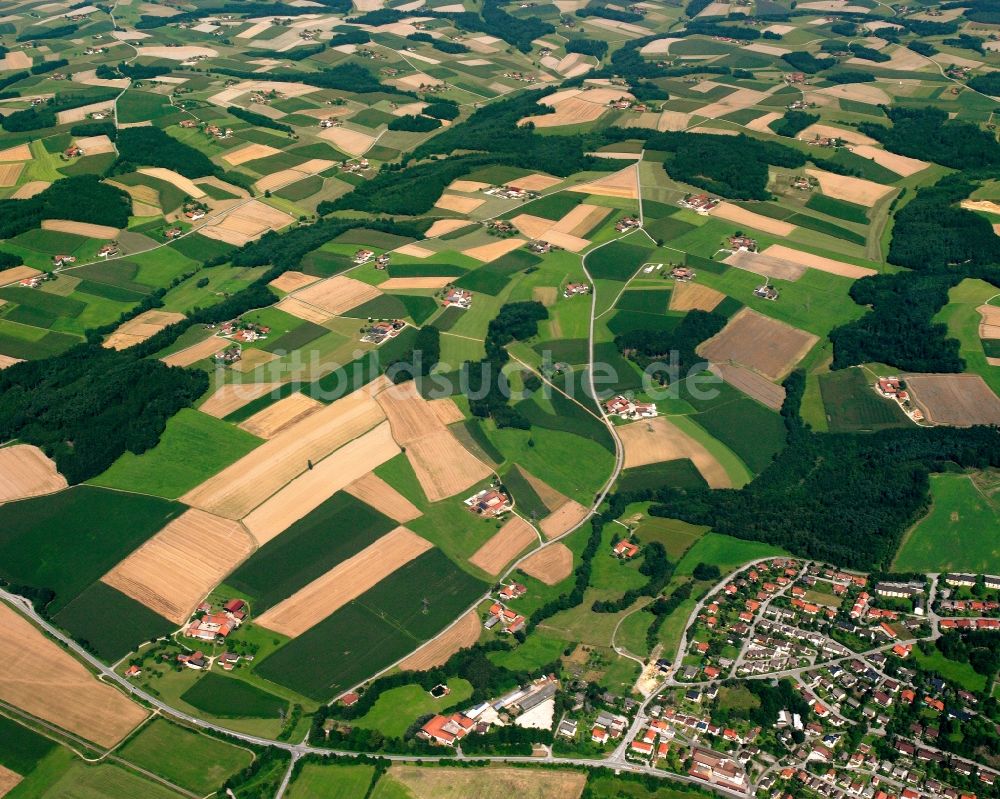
column 80, row 228
column 373, row 490
column 564, row 518
column 95, row 145
column 17, row 273
column 251, row 359
column 19, row 152
column 352, row 142
column 751, row 384
column 316, row 485
column 6, row 361
column 547, row 494
column 178, row 567
column 694, row 296
column 144, row 326
column 249, row 153
column 624, row 184
column 504, row 545
column 230, row 397
column 741, row 216
column 458, row 203
column 657, row 440
column 492, row 251
column 758, row 342
column 546, row 295
column 550, row 565
column 959, row 400
column 270, row 421
column 535, row 182
column 673, row 121
column 488, row 783
column 900, row 164
column 303, row 310
column 468, row 186
column 446, row 410
column 80, row 113
column 570, row 111
column 196, row 352
column 851, row 189
column 30, row 189
column 244, row 485
column 461, row 635
column 405, row 283
column 766, row 265
column 186, row 185
column 26, row 471
column 346, row 581
column 534, row 227
column 989, row 327
column 566, row 241
column 9, row 173
column 442, row 465
column 9, row 779
column 180, row 53
column 818, row 262
column 858, row 92
column 39, row 677
column 337, row 294
column 442, row 227
column 417, row 251
column 246, row 223
column 292, row 281
column 741, row 98
column 582, row 219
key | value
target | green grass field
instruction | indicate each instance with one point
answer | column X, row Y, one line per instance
column 230, row 697
column 676, row 536
column 68, row 540
column 724, row 551
column 618, row 260
column 21, row 749
column 396, row 709
column 960, row 673
column 331, row 781
column 678, row 473
column 193, row 447
column 852, row 405
column 960, row 533
column 338, row 529
column 82, row 781
column 189, row 759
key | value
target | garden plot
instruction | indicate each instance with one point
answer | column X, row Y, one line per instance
column 442, row 465
column 767, row 346
column 461, row 635
column 623, row 184
column 563, row 519
column 657, row 440
column 900, row 164
column 186, row 185
column 812, row 261
column 87, row 229
column 177, row 568
column 373, row 490
column 551, row 565
column 751, row 384
column 321, row 481
column 244, row 485
column 196, row 352
column 292, row 281
column 337, row 294
column 41, row 678
column 233, row 396
column 741, row 216
column 504, row 545
column 247, row 223
column 854, row 190
column 344, row 582
column 144, row 326
column 281, row 415
column 694, row 296
column 26, row 471
column 960, row 400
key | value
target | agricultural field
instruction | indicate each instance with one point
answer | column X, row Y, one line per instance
column 354, row 313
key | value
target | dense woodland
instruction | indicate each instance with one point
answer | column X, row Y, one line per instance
column 649, row 347
column 83, row 198
column 148, row 146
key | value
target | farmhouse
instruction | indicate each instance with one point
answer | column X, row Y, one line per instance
column 766, row 292
column 489, row 502
column 59, row 260
column 380, row 331
column 195, row 660
column 700, row 203
column 630, row 409
column 382, row 261
column 572, row 289
column 742, row 244
column 891, row 387
column 133, row 671
column 626, row 550
column 446, row 730
column 682, row 274
column 109, row 249
column 626, row 223
column 363, row 256
column 513, row 591
column 458, row 298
